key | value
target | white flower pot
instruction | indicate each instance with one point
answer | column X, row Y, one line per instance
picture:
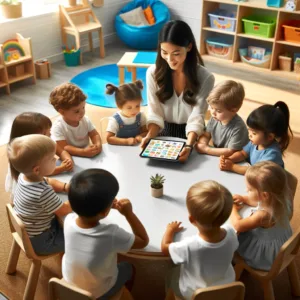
column 156, row 193
column 11, row 11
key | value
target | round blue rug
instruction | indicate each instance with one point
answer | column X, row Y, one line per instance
column 93, row 82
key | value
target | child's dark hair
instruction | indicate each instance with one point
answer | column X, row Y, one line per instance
column 24, row 124
column 92, row 191
column 125, row 92
column 273, row 119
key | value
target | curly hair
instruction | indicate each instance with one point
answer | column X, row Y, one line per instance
column 66, row 96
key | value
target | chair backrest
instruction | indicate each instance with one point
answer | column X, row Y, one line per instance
column 231, row 291
column 103, row 126
column 287, row 253
column 59, row 289
column 19, row 232
column 292, row 182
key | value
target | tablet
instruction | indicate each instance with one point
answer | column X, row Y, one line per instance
column 163, row 149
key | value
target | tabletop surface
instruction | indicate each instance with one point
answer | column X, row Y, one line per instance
column 133, row 174
column 127, row 61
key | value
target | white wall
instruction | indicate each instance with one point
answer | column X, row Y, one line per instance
column 188, row 11
column 44, row 30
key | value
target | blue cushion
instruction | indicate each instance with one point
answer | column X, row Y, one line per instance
column 142, row 37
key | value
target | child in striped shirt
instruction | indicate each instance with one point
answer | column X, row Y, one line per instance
column 35, row 200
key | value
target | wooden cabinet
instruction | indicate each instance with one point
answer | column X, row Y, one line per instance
column 17, row 70
column 239, row 39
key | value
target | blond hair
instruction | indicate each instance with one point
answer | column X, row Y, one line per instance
column 209, row 203
column 230, row 94
column 25, row 152
column 66, row 96
column 269, row 177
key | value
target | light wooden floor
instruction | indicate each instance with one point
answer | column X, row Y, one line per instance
column 149, row 285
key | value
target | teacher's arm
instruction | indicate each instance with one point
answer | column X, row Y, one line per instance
column 155, row 120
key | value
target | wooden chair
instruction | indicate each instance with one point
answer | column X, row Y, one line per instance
column 103, row 126
column 231, row 291
column 292, row 182
column 77, row 20
column 21, row 241
column 284, row 259
column 59, row 289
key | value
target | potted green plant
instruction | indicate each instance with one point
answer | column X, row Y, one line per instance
column 11, row 9
column 157, row 185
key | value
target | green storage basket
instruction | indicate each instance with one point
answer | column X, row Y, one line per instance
column 259, row 25
column 72, row 59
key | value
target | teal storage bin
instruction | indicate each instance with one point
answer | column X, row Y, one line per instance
column 275, row 3
column 72, row 59
column 259, row 25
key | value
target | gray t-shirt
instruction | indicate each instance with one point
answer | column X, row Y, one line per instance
column 233, row 135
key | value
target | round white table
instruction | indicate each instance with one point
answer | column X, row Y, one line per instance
column 133, row 174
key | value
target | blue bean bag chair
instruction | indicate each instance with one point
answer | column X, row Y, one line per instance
column 142, row 37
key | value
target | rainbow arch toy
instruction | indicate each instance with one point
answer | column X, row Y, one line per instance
column 12, row 50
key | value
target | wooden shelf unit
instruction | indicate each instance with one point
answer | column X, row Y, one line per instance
column 17, row 70
column 240, row 39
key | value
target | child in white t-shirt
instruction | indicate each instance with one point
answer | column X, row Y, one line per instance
column 127, row 126
column 92, row 242
column 204, row 259
column 73, row 130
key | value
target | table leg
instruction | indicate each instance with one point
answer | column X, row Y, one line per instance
column 121, row 75
column 133, row 74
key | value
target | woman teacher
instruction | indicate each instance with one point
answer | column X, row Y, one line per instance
column 178, row 85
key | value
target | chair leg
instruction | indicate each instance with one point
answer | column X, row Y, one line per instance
column 238, row 268
column 294, row 278
column 32, row 280
column 101, row 41
column 77, row 41
column 121, row 75
column 268, row 290
column 13, row 258
column 133, row 74
column 91, row 42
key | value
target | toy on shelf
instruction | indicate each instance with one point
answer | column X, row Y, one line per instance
column 292, row 5
column 12, row 50
column 275, row 3
column 256, row 56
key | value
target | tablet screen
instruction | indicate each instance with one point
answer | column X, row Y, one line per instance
column 163, row 149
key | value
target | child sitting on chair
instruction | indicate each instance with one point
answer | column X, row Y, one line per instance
column 35, row 200
column 205, row 258
column 73, row 130
column 226, row 128
column 127, row 126
column 92, row 243
column 34, row 123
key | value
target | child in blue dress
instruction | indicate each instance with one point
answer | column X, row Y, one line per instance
column 269, row 129
column 262, row 234
column 128, row 125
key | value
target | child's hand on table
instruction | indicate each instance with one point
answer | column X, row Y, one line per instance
column 139, row 138
column 174, row 227
column 67, row 164
column 131, row 141
column 91, row 150
column 225, row 163
column 238, row 199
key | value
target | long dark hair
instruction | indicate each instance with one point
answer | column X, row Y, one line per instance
column 273, row 119
column 24, row 124
column 180, row 34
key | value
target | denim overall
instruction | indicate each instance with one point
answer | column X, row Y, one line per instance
column 127, row 131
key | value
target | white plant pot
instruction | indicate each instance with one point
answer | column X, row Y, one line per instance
column 11, row 11
column 156, row 193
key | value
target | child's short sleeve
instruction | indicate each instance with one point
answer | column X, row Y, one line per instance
column 274, row 156
column 50, row 200
column 239, row 139
column 112, row 125
column 57, row 131
column 179, row 252
column 122, row 240
column 247, row 148
column 91, row 127
column 209, row 126
column 143, row 119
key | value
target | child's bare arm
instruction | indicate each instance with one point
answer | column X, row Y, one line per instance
column 64, row 209
column 238, row 156
column 168, row 237
column 141, row 237
column 244, row 199
column 204, row 138
column 113, row 140
column 96, row 139
column 252, row 222
column 89, row 151
column 205, row 149
column 58, row 186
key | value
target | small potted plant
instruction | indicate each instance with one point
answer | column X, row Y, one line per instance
column 157, row 185
column 11, row 9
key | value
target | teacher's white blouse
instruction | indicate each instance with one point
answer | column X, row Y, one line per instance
column 175, row 110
